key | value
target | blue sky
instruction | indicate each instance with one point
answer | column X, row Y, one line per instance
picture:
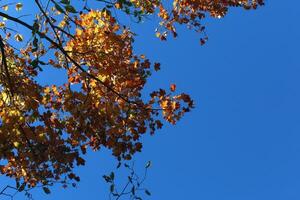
column 241, row 142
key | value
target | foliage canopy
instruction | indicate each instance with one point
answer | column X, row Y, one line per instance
column 46, row 129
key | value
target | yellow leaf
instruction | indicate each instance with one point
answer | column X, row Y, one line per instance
column 5, row 7
column 19, row 6
column 2, row 24
column 19, row 37
column 5, row 98
column 16, row 144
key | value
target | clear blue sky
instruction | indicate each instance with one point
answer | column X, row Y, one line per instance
column 242, row 142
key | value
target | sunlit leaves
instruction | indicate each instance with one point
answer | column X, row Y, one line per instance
column 18, row 37
column 188, row 12
column 5, row 7
column 46, row 129
column 19, row 6
column 2, row 24
column 49, row 126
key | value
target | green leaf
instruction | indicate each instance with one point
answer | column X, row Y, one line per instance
column 46, row 190
column 119, row 165
column 17, row 183
column 42, row 62
column 65, row 1
column 35, row 42
column 36, row 27
column 112, row 187
column 34, row 63
column 57, row 7
column 147, row 192
column 107, row 178
column 70, row 9
column 22, row 187
column 148, row 164
column 112, row 176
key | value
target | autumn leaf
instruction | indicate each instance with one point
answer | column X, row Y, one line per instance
column 19, row 6
column 172, row 87
column 102, row 101
column 19, row 37
column 5, row 7
column 2, row 24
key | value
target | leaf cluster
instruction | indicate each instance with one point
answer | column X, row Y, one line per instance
column 45, row 130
